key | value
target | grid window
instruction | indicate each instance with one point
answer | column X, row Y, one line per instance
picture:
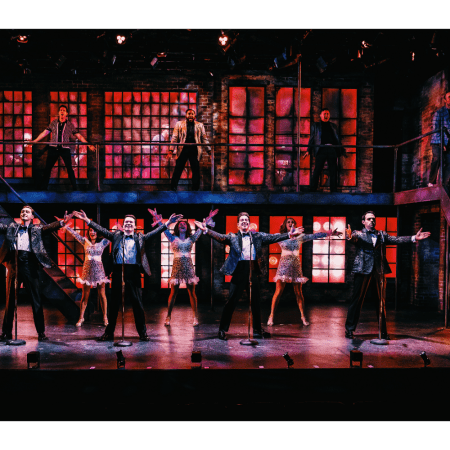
column 231, row 227
column 246, row 126
column 118, row 223
column 67, row 262
column 343, row 106
column 389, row 224
column 142, row 117
column 167, row 255
column 328, row 264
column 275, row 249
column 15, row 125
column 77, row 104
column 286, row 134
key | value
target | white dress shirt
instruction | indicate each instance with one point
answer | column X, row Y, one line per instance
column 245, row 254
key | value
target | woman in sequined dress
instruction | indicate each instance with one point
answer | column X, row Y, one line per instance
column 290, row 268
column 181, row 242
column 93, row 271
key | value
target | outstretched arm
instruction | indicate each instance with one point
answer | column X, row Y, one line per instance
column 40, row 137
column 79, row 238
column 99, row 229
column 58, row 224
column 223, row 238
column 81, row 138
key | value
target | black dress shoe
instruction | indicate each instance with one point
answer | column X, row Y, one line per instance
column 221, row 335
column 5, row 337
column 144, row 337
column 261, row 334
column 105, row 337
column 349, row 334
column 385, row 336
column 42, row 337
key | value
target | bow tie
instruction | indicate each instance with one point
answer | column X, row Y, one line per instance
column 245, row 234
column 129, row 237
column 22, row 228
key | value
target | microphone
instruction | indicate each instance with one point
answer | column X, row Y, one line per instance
column 380, row 233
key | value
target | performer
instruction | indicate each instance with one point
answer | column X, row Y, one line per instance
column 181, row 242
column 441, row 119
column 290, row 268
column 188, row 131
column 367, row 265
column 324, row 133
column 31, row 252
column 93, row 272
column 62, row 131
column 238, row 265
column 132, row 246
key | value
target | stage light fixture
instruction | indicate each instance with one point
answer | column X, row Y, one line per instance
column 22, row 39
column 34, row 360
column 113, row 59
column 154, row 62
column 223, row 40
column 280, row 59
column 121, row 39
column 288, row 359
column 425, row 359
column 321, row 64
column 120, row 360
column 356, row 356
column 413, row 55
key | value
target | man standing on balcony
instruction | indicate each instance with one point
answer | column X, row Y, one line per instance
column 62, row 131
column 441, row 119
column 324, row 133
column 188, row 131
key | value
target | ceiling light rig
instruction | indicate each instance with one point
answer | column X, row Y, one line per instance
column 121, row 39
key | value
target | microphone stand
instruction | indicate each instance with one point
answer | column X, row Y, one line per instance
column 250, row 341
column 123, row 342
column 16, row 341
column 381, row 341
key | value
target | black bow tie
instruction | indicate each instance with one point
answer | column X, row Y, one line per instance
column 22, row 228
column 245, row 234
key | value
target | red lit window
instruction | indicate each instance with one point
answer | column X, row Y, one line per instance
column 286, row 134
column 343, row 106
column 77, row 104
column 274, row 249
column 329, row 254
column 167, row 256
column 142, row 117
column 246, row 126
column 389, row 224
column 231, row 227
column 15, row 125
column 118, row 223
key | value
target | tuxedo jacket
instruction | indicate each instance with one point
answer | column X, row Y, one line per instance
column 368, row 257
column 139, row 239
column 234, row 240
column 35, row 235
column 179, row 137
column 316, row 139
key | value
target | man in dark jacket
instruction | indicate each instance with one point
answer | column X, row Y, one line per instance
column 27, row 237
column 370, row 263
column 238, row 265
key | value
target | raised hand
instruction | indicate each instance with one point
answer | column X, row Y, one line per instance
column 208, row 220
column 173, row 218
column 422, row 235
column 67, row 217
column 81, row 215
column 335, row 233
column 296, row 232
column 348, row 231
column 156, row 217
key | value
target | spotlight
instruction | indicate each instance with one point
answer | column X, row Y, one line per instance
column 288, row 359
column 113, row 59
column 426, row 361
column 280, row 59
column 120, row 360
column 412, row 56
column 34, row 360
column 154, row 61
column 121, row 39
column 224, row 40
column 365, row 44
column 22, row 39
column 196, row 360
column 356, row 356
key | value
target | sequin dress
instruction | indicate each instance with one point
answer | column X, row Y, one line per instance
column 183, row 270
column 93, row 271
column 290, row 269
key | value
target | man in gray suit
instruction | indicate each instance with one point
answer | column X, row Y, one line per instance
column 368, row 264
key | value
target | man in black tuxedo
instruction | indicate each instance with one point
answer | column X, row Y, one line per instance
column 129, row 247
column 31, row 252
column 238, row 265
column 369, row 263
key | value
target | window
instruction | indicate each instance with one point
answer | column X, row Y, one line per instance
column 286, row 128
column 246, row 126
column 142, row 117
column 343, row 106
column 231, row 227
column 77, row 104
column 167, row 256
column 329, row 254
column 15, row 125
column 389, row 224
column 275, row 249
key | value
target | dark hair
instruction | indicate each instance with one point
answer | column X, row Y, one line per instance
column 130, row 215
column 324, row 109
column 190, row 109
column 98, row 239
column 65, row 107
column 28, row 206
column 176, row 230
column 283, row 227
column 367, row 212
column 243, row 214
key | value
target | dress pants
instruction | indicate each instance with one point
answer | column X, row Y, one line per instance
column 52, row 157
column 323, row 155
column 28, row 275
column 239, row 283
column 360, row 286
column 188, row 153
column 132, row 278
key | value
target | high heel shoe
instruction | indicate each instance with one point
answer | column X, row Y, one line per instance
column 270, row 321
column 167, row 322
column 79, row 323
column 105, row 321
